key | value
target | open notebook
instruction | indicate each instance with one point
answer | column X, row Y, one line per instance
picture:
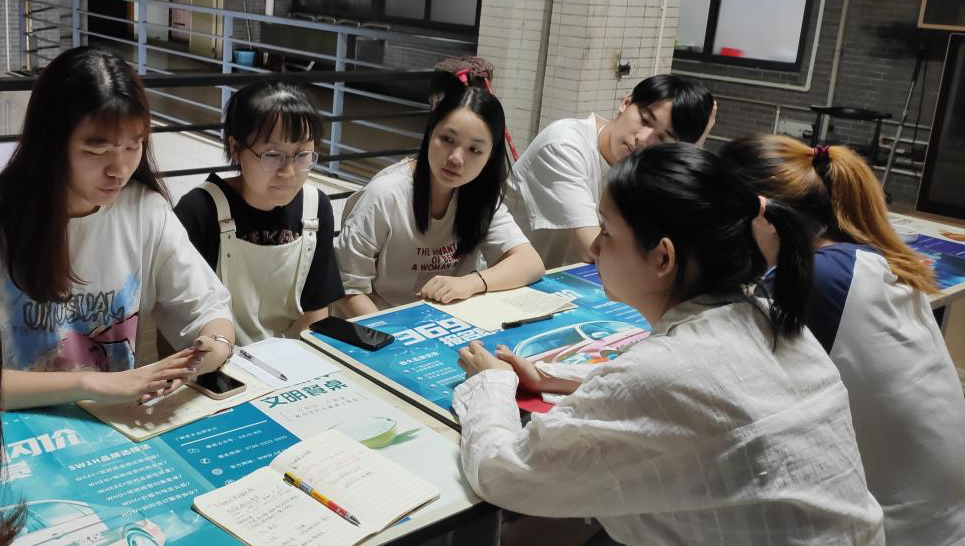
column 490, row 310
column 261, row 509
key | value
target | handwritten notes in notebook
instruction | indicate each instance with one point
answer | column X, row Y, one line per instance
column 490, row 310
column 262, row 510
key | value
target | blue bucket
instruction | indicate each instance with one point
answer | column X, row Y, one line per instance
column 245, row 57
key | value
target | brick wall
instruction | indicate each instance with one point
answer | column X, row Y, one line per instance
column 585, row 39
column 876, row 63
column 10, row 36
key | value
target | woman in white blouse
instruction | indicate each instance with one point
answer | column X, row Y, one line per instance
column 728, row 425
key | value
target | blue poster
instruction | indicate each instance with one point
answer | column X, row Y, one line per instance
column 583, row 287
column 229, row 445
column 423, row 358
column 924, row 243
column 86, row 484
column 946, row 259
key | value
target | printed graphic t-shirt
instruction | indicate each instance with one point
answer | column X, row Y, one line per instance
column 132, row 255
column 383, row 254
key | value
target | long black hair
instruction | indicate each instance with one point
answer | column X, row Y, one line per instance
column 691, row 102
column 687, row 194
column 253, row 111
column 81, row 83
column 477, row 200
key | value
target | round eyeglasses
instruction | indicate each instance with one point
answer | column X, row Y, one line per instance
column 272, row 160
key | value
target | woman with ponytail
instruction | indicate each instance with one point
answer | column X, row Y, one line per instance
column 870, row 311
column 728, row 425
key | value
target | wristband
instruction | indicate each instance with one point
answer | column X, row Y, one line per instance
column 483, row 279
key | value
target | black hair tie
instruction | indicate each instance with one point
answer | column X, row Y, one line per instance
column 821, row 161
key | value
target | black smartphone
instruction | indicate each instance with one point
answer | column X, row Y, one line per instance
column 217, row 385
column 351, row 333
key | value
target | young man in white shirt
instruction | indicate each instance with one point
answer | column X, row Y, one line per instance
column 554, row 188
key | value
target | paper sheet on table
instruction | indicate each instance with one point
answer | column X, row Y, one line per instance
column 490, row 310
column 291, row 357
column 183, row 406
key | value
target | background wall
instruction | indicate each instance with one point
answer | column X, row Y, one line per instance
column 878, row 51
column 579, row 42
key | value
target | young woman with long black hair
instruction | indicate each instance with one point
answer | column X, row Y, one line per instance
column 727, row 425
column 436, row 227
column 88, row 241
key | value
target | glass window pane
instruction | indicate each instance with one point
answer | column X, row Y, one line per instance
column 692, row 24
column 409, row 9
column 456, row 12
column 760, row 29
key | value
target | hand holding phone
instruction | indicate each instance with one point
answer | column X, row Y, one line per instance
column 352, row 333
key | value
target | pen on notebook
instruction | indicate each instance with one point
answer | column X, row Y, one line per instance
column 260, row 363
column 329, row 503
column 520, row 322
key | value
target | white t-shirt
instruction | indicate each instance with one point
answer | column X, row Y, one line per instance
column 383, row 254
column 906, row 400
column 556, row 186
column 133, row 255
column 699, row 434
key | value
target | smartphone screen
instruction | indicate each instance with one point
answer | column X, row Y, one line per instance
column 351, row 333
column 218, row 382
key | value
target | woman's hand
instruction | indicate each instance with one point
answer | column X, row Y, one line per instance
column 144, row 383
column 474, row 358
column 211, row 353
column 529, row 377
column 446, row 289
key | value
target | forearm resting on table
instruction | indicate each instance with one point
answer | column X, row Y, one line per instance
column 519, row 266
column 304, row 321
column 36, row 389
column 356, row 305
column 556, row 385
column 216, row 358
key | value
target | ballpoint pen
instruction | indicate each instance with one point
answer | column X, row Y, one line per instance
column 261, row 363
column 327, row 502
column 520, row 322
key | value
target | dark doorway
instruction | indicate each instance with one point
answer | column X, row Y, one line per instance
column 108, row 27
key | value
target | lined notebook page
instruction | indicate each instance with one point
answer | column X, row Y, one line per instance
column 262, row 510
column 488, row 311
column 371, row 487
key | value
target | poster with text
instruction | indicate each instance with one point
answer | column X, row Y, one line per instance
column 423, row 358
column 84, row 484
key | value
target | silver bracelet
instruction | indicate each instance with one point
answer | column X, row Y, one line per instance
column 226, row 341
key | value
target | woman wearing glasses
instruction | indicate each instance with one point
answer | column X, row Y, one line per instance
column 267, row 236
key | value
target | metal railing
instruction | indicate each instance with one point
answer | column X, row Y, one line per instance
column 41, row 18
column 154, row 82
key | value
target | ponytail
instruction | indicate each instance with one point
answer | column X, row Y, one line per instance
column 836, row 193
column 794, row 270
column 861, row 214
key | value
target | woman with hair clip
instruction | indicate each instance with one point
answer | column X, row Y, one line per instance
column 88, row 241
column 436, row 228
column 870, row 311
column 728, row 425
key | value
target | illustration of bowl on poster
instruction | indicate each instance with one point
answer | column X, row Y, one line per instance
column 374, row 432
